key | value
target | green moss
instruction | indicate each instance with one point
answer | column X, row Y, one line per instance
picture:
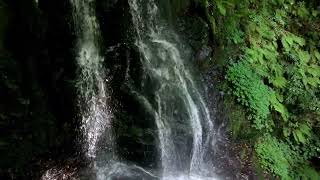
column 237, row 120
column 259, row 171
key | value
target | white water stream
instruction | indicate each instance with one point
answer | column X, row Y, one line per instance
column 93, row 98
column 177, row 95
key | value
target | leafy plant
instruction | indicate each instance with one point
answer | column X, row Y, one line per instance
column 274, row 156
column 276, row 77
column 250, row 92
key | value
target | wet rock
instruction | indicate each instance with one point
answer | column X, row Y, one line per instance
column 68, row 171
column 4, row 23
column 196, row 31
column 203, row 54
column 59, row 174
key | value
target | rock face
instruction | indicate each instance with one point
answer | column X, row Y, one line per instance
column 204, row 54
column 59, row 174
column 37, row 111
column 4, row 18
column 196, row 31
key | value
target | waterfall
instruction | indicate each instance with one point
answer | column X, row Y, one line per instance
column 168, row 92
column 93, row 98
column 178, row 100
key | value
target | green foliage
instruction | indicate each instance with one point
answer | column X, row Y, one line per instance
column 285, row 160
column 305, row 172
column 274, row 156
column 250, row 92
column 276, row 105
column 302, row 133
column 275, row 76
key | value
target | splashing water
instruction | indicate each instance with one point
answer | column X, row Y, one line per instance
column 93, row 99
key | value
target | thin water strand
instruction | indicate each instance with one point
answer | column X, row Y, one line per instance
column 93, row 100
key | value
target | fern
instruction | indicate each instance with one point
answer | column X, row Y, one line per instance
column 278, row 106
column 274, row 156
column 250, row 92
column 302, row 133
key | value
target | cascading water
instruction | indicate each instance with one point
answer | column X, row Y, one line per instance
column 93, row 98
column 178, row 102
column 168, row 91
